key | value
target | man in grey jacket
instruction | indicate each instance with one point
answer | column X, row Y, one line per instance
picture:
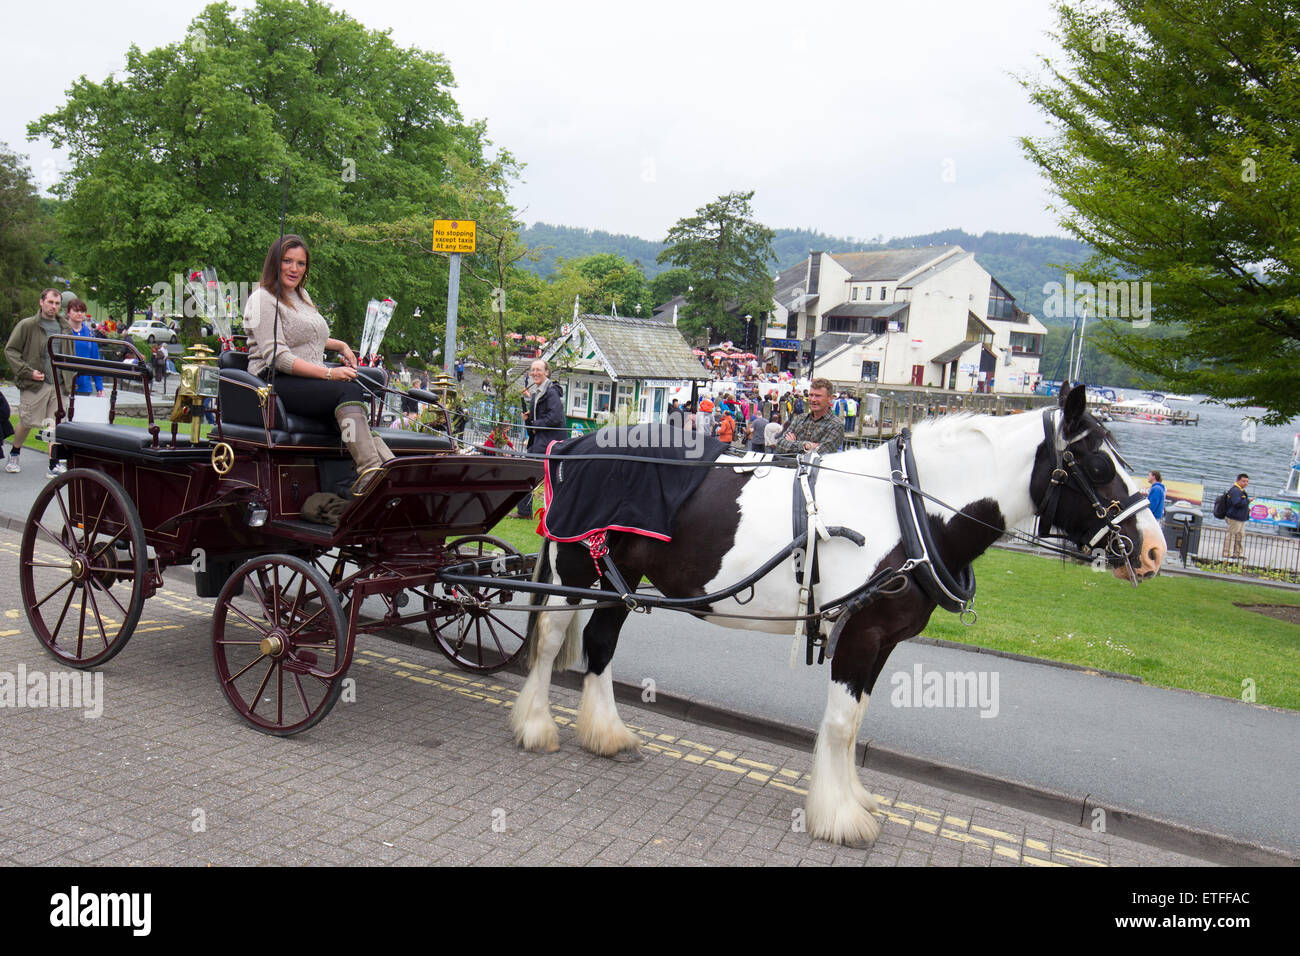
column 29, row 361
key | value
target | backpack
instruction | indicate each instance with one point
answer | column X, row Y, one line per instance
column 1221, row 506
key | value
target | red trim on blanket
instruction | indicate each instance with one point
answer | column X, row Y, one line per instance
column 545, row 532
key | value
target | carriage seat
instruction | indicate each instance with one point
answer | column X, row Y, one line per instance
column 105, row 437
column 241, row 410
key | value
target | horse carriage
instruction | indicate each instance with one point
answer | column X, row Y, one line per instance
column 879, row 539
column 292, row 594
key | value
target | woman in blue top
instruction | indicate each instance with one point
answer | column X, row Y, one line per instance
column 85, row 384
column 1156, row 495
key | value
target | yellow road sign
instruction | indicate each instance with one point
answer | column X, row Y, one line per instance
column 453, row 235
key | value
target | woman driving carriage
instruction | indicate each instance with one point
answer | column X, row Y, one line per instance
column 295, row 344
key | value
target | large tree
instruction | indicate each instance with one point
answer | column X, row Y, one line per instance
column 25, row 235
column 729, row 258
column 181, row 161
column 1176, row 154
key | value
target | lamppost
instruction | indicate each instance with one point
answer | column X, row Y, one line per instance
column 748, row 320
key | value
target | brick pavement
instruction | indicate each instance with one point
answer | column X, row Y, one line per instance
column 420, row 769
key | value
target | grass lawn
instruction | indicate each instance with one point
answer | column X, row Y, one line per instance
column 1172, row 631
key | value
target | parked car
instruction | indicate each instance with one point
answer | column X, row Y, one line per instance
column 152, row 331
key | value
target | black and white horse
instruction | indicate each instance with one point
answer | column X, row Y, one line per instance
column 994, row 473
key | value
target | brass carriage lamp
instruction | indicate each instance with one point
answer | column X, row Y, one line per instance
column 199, row 377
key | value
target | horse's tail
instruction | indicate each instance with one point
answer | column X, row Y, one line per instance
column 571, row 651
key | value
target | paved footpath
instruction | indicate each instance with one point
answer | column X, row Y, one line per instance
column 420, row 769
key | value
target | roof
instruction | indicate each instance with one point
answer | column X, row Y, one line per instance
column 788, row 282
column 878, row 310
column 890, row 264
column 632, row 348
column 949, row 354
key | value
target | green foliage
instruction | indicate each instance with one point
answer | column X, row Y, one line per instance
column 181, row 162
column 556, row 243
column 729, row 258
column 1177, row 132
column 668, row 285
column 25, row 235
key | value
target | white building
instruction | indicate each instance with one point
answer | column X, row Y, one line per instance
column 929, row 316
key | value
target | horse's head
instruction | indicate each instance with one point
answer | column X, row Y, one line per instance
column 1082, row 487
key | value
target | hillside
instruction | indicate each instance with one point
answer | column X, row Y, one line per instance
column 1022, row 263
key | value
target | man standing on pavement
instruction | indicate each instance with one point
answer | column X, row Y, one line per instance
column 814, row 430
column 543, row 417
column 30, row 363
column 1237, row 516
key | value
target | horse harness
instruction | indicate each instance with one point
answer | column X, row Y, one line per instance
column 923, row 566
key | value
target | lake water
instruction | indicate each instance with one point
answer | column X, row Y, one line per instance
column 1212, row 453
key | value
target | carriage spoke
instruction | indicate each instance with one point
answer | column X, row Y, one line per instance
column 52, row 593
column 234, row 677
column 66, row 604
column 91, row 535
column 495, row 639
column 99, row 622
column 96, row 583
column 302, row 695
column 305, row 623
column 107, row 544
column 255, row 625
column 279, row 692
column 68, row 523
column 57, row 539
column 257, row 698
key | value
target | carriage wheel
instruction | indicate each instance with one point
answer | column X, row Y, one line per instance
column 475, row 637
column 82, row 567
column 279, row 643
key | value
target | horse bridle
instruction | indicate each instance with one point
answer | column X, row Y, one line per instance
column 1085, row 473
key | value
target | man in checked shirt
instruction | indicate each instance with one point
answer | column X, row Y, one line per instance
column 814, row 430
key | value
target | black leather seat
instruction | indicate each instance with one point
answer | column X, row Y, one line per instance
column 241, row 411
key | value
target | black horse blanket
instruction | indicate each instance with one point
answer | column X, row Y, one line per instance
column 640, row 496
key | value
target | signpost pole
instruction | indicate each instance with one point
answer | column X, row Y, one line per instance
column 453, row 297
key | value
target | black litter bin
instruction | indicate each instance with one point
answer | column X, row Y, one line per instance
column 1183, row 532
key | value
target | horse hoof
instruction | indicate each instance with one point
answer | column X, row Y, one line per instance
column 628, row 756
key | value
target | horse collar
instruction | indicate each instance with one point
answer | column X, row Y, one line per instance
column 924, row 562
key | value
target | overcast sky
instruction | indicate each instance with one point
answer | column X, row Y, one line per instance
column 857, row 119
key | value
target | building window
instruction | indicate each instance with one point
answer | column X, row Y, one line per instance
column 1026, row 343
column 882, row 293
column 603, row 392
column 871, row 371
column 578, row 392
column 625, row 394
column 1002, row 305
column 854, row 296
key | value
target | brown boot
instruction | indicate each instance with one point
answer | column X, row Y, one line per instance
column 362, row 445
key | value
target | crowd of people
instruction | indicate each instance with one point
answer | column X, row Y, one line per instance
column 791, row 423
